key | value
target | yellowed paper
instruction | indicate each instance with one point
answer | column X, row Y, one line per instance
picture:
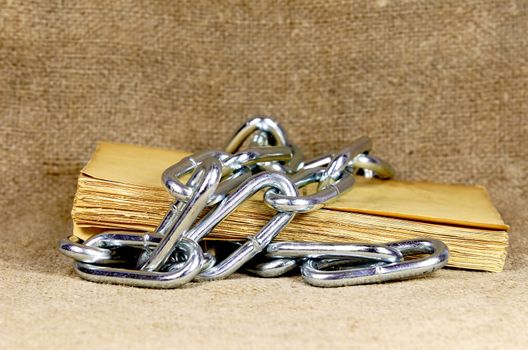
column 424, row 201
column 131, row 164
column 430, row 202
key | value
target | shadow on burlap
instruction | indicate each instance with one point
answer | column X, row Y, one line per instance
column 441, row 87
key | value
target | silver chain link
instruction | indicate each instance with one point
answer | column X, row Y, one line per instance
column 172, row 256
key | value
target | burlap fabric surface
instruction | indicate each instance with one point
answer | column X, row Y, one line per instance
column 440, row 86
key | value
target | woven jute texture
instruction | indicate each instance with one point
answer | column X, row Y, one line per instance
column 440, row 86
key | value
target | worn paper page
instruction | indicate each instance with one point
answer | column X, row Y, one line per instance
column 131, row 164
column 425, row 201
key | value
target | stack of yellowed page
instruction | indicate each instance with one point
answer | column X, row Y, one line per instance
column 120, row 188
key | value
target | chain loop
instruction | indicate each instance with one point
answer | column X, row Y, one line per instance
column 313, row 270
column 307, row 203
column 151, row 279
column 338, row 164
column 263, row 180
column 204, row 181
column 266, row 124
column 286, row 256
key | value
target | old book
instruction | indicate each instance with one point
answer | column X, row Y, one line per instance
column 120, row 188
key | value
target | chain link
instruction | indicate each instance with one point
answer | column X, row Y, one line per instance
column 222, row 180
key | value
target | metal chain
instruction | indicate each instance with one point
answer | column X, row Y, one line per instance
column 172, row 256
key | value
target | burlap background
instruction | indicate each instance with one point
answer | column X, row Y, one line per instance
column 441, row 87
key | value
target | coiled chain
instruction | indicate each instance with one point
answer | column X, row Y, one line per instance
column 222, row 180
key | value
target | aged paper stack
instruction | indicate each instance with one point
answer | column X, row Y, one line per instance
column 120, row 188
